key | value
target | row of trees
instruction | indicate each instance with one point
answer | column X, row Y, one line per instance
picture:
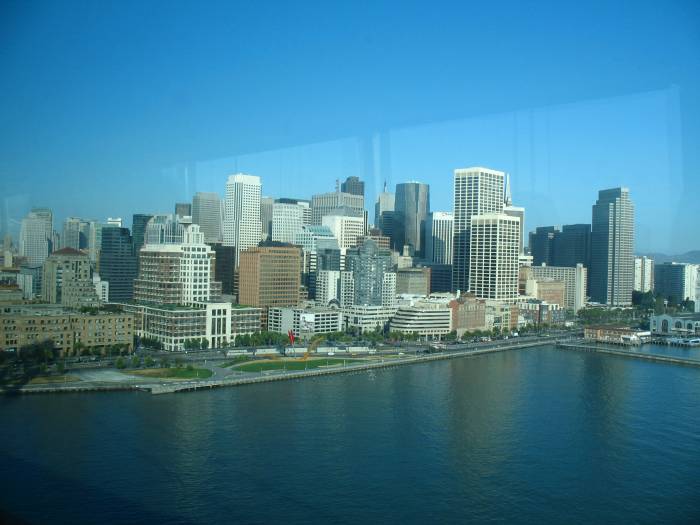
column 649, row 301
column 196, row 344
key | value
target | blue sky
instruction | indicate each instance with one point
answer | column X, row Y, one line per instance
column 111, row 109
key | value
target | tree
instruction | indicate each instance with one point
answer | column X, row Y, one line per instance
column 135, row 361
column 61, row 367
column 204, row 343
column 120, row 363
column 149, row 362
column 164, row 362
column 179, row 362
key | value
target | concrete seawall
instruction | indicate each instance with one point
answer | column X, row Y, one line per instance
column 188, row 386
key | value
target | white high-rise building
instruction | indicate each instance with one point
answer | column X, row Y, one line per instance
column 242, row 225
column 493, row 256
column 207, row 212
column 287, row 220
column 35, row 236
column 643, row 274
column 477, row 191
column 327, row 286
column 438, row 237
column 345, row 229
column 337, row 203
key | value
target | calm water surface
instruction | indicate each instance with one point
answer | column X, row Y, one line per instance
column 531, row 436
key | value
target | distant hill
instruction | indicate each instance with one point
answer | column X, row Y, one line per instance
column 692, row 257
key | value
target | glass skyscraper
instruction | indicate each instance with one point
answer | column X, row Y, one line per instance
column 411, row 209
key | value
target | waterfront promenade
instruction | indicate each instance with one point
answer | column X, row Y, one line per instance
column 350, row 366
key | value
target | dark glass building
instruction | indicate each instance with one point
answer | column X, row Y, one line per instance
column 138, row 231
column 542, row 245
column 118, row 263
column 225, row 267
column 669, row 281
column 440, row 277
column 572, row 246
column 412, row 206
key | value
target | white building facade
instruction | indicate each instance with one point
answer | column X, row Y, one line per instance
column 438, row 237
column 242, row 226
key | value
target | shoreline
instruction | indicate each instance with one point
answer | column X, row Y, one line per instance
column 190, row 386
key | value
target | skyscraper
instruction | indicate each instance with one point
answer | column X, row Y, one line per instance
column 477, row 191
column 288, row 219
column 412, row 206
column 438, row 237
column 76, row 232
column 270, row 276
column 266, row 204
column 612, row 248
column 493, row 256
column 542, row 245
column 572, row 246
column 138, row 231
column 336, row 203
column 35, row 236
column 354, row 186
column 183, row 209
column 384, row 212
column 643, row 274
column 369, row 279
column 346, row 229
column 242, row 226
column 118, row 263
column 207, row 212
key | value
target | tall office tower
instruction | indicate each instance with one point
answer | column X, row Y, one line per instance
column 176, row 273
column 493, row 256
column 354, row 186
column 327, row 287
column 643, row 274
column 242, row 225
column 288, row 219
column 95, row 240
column 384, row 213
column 76, row 232
column 438, row 237
column 371, row 283
column 225, row 267
column 183, row 209
column 269, row 276
column 542, row 245
column 139, row 221
column 266, row 205
column 118, row 263
column 67, row 280
column 207, row 212
column 346, row 229
column 164, row 229
column 514, row 211
column 477, row 191
column 675, row 282
column 412, row 206
column 337, row 203
column 35, row 236
column 114, row 221
column 320, row 251
column 612, row 248
column 572, row 246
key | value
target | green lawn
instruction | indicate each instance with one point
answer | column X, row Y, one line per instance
column 235, row 361
column 44, row 380
column 297, row 364
column 172, row 373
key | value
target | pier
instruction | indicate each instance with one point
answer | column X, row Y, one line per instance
column 626, row 353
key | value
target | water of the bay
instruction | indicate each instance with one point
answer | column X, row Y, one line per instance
column 527, row 436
